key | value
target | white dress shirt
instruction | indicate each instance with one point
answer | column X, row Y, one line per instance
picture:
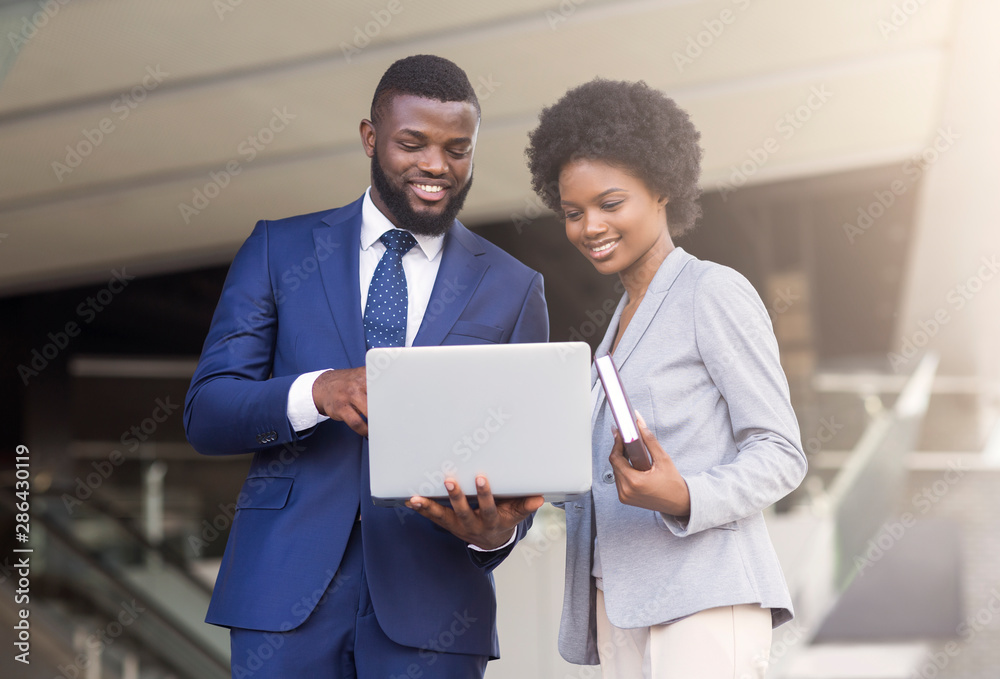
column 420, row 265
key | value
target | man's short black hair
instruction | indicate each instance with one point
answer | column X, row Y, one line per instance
column 626, row 124
column 423, row 75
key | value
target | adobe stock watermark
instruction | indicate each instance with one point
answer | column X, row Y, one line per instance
column 783, row 642
column 891, row 532
column 7, row 570
column 37, row 21
column 448, row 293
column 598, row 317
column 534, row 207
column 378, row 362
column 292, row 279
column 828, row 428
column 762, row 334
column 248, row 149
column 900, row 15
column 562, row 14
column 546, row 532
column 609, row 647
column 224, row 7
column 257, row 658
column 131, row 438
column 461, row 622
column 98, row 641
column 210, row 531
column 59, row 340
column 463, row 449
column 937, row 661
column 306, row 604
column 956, row 299
column 121, row 108
column 786, row 126
column 784, row 300
column 912, row 170
column 485, row 86
column 363, row 35
column 697, row 44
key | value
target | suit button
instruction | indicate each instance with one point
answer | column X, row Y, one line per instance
column 608, row 476
column 260, row 438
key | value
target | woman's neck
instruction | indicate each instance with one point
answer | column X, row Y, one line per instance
column 637, row 277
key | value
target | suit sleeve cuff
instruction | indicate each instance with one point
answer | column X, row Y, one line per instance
column 503, row 546
column 301, row 409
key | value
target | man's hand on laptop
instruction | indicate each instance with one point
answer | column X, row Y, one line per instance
column 343, row 395
column 488, row 527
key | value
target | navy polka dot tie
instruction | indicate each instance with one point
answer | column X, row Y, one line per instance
column 385, row 310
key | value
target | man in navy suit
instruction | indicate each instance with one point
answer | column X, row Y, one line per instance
column 316, row 581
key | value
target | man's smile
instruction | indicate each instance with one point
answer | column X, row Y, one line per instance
column 429, row 191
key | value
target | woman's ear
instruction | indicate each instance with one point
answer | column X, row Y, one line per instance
column 662, row 201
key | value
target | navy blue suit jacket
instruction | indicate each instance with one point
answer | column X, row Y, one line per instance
column 291, row 305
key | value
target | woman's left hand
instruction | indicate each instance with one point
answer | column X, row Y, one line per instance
column 661, row 488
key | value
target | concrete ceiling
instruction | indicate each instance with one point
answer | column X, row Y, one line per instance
column 180, row 88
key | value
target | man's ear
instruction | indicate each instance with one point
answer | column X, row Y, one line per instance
column 367, row 130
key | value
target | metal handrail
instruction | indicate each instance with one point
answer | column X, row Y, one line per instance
column 875, row 465
column 165, row 552
column 213, row 665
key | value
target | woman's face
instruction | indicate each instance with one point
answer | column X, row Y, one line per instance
column 612, row 217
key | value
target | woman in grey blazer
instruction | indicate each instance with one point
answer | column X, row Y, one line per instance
column 669, row 572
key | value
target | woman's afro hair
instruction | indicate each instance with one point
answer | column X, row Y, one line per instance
column 626, row 124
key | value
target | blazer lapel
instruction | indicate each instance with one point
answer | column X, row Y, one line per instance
column 669, row 269
column 609, row 337
column 602, row 349
column 340, row 236
column 461, row 270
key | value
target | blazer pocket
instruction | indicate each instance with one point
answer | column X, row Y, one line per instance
column 479, row 331
column 265, row 492
column 641, row 399
column 732, row 525
column 661, row 524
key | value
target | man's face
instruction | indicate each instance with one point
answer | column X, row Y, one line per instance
column 421, row 153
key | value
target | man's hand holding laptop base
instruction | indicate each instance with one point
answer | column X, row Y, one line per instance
column 490, row 526
column 343, row 395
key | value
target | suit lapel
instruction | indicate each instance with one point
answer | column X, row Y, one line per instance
column 462, row 267
column 340, row 236
column 665, row 276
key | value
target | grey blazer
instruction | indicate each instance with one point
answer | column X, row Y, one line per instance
column 700, row 363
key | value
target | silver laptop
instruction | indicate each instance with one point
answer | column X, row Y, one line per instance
column 517, row 413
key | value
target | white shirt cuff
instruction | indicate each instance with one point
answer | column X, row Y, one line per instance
column 503, row 546
column 301, row 409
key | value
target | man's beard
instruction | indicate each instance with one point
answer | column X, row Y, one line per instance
column 397, row 201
